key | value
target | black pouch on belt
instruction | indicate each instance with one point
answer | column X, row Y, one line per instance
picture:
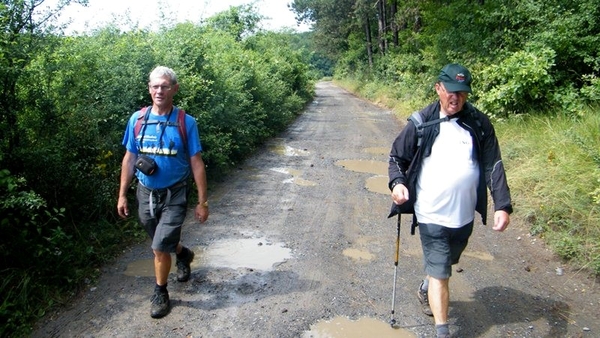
column 146, row 164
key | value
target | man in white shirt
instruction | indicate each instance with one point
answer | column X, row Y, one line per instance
column 440, row 173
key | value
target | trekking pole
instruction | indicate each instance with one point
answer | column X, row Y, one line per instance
column 393, row 320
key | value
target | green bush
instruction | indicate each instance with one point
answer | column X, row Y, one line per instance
column 71, row 101
column 520, row 83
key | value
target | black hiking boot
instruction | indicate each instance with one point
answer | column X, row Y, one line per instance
column 183, row 264
column 422, row 295
column 160, row 304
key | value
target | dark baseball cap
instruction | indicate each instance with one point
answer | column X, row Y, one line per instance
column 456, row 78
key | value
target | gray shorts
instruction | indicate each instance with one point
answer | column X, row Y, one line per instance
column 442, row 247
column 161, row 213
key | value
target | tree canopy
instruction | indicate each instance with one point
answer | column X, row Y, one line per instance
column 524, row 54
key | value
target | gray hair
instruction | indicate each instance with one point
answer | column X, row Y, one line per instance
column 162, row 71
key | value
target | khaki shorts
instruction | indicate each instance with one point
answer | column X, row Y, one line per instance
column 442, row 247
column 161, row 213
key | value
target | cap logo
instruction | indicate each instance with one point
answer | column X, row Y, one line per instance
column 460, row 77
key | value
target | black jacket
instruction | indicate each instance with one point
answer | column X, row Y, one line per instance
column 406, row 159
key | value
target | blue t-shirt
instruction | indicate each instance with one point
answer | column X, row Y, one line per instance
column 163, row 143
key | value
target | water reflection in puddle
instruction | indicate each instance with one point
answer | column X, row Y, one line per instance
column 365, row 166
column 144, row 268
column 378, row 184
column 253, row 253
column 340, row 327
column 286, row 150
column 296, row 179
column 287, row 171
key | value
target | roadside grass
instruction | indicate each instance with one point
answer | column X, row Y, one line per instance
column 402, row 101
column 553, row 168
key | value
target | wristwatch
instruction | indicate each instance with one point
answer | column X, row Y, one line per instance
column 205, row 204
column 395, row 184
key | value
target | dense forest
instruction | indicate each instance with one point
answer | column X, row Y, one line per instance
column 66, row 100
column 536, row 68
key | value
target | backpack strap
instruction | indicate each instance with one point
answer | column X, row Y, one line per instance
column 182, row 128
column 417, row 120
column 142, row 119
column 138, row 123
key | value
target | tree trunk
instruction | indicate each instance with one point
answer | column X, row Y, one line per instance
column 369, row 41
column 393, row 24
column 382, row 26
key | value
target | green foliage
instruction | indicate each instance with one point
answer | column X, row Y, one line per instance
column 238, row 21
column 68, row 99
column 536, row 66
column 526, row 55
column 332, row 23
column 26, row 239
column 560, row 201
column 517, row 84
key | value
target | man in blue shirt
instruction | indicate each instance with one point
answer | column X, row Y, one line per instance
column 163, row 159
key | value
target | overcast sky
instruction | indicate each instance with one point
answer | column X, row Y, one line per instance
column 100, row 12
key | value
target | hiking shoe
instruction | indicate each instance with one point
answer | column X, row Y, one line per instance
column 183, row 266
column 422, row 295
column 160, row 304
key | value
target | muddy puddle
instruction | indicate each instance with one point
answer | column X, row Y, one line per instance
column 365, row 166
column 358, row 255
column 341, row 327
column 296, row 177
column 252, row 253
column 279, row 147
column 377, row 184
column 484, row 256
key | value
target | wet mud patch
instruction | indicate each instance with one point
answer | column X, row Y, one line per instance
column 484, row 256
column 219, row 288
column 252, row 253
column 358, row 255
column 295, row 179
column 377, row 184
column 341, row 327
column 279, row 147
column 364, row 166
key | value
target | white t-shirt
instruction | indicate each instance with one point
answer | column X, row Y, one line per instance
column 447, row 184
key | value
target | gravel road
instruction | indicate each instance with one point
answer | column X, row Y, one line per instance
column 298, row 245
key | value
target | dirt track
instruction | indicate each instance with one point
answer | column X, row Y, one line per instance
column 298, row 245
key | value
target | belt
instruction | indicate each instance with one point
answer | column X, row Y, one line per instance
column 167, row 200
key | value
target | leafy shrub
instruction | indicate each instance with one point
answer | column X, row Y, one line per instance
column 519, row 83
column 71, row 102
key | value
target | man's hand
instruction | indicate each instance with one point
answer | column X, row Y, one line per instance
column 201, row 213
column 122, row 207
column 501, row 220
column 400, row 194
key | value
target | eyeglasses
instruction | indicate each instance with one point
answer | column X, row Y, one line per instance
column 157, row 87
